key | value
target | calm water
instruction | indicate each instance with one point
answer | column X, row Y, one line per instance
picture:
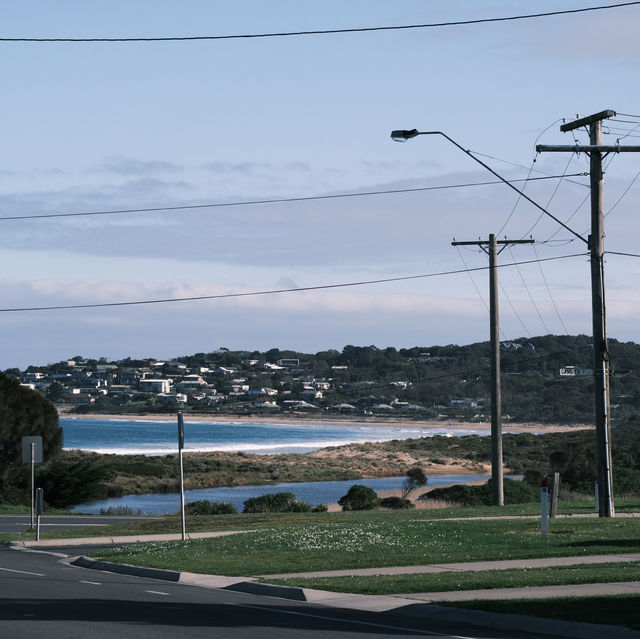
column 314, row 493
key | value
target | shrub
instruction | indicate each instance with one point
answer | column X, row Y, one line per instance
column 515, row 492
column 320, row 508
column 119, row 511
column 275, row 503
column 396, row 503
column 359, row 497
column 204, row 507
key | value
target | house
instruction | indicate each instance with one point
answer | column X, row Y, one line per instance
column 171, row 398
column 297, row 403
column 575, row 371
column 288, row 363
column 311, row 394
column 463, row 403
column 154, row 385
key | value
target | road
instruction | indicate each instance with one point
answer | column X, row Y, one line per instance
column 21, row 523
column 41, row 596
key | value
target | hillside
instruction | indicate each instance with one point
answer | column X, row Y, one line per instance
column 544, row 379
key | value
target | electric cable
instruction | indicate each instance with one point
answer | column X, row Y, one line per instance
column 284, row 200
column 328, row 31
column 267, row 292
column 546, row 328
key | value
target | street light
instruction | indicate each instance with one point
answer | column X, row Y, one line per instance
column 403, row 135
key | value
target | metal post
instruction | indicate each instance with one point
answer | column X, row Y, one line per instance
column 180, row 447
column 600, row 348
column 496, row 392
column 33, row 478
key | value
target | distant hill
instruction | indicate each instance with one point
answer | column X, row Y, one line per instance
column 545, row 379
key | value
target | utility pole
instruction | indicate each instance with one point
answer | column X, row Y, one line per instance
column 596, row 151
column 491, row 247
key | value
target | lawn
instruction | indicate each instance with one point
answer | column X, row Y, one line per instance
column 376, row 542
column 472, row 580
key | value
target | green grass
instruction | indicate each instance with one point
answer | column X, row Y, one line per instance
column 473, row 580
column 365, row 544
column 617, row 610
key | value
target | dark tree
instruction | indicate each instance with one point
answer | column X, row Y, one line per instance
column 23, row 413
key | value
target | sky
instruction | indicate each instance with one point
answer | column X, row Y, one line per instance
column 90, row 127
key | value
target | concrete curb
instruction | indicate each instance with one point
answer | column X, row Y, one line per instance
column 125, row 569
column 396, row 606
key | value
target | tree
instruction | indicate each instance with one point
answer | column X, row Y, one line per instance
column 359, row 497
column 23, row 413
column 415, row 479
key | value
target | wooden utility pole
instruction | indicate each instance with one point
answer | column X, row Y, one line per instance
column 497, row 474
column 596, row 151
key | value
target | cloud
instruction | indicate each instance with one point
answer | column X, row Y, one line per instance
column 128, row 166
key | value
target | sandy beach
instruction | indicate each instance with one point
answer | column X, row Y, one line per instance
column 422, row 424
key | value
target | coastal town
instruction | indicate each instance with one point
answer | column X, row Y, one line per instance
column 438, row 382
column 282, row 385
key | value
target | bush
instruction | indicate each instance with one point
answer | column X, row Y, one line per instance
column 204, row 507
column 119, row 511
column 275, row 503
column 359, row 497
column 515, row 492
column 396, row 503
column 320, row 508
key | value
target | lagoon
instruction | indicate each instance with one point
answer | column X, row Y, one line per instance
column 314, row 493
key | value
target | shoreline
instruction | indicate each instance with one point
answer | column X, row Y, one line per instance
column 422, row 424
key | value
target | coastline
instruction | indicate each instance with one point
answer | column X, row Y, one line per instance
column 422, row 424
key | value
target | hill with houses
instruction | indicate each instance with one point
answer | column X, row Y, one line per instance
column 544, row 379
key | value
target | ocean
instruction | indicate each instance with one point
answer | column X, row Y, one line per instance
column 146, row 436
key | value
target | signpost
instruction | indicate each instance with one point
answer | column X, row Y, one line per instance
column 180, row 447
column 39, row 509
column 544, row 506
column 32, row 454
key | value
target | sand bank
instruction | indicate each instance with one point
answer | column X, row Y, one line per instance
column 422, row 424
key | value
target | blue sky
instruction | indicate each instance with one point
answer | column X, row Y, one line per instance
column 100, row 126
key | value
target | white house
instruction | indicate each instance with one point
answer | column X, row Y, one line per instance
column 154, row 385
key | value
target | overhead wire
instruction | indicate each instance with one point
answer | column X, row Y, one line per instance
column 546, row 283
column 281, row 34
column 513, row 308
column 193, row 298
column 283, row 200
column 546, row 328
column 482, row 299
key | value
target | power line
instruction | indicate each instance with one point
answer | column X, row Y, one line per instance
column 329, row 31
column 310, row 198
column 269, row 292
column 544, row 279
column 623, row 254
column 546, row 328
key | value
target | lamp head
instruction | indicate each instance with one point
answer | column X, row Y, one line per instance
column 403, row 135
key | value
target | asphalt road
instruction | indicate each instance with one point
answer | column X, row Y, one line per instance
column 41, row 596
column 22, row 523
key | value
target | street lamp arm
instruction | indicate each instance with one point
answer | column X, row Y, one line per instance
column 404, row 135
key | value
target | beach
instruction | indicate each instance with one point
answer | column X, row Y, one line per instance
column 422, row 424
